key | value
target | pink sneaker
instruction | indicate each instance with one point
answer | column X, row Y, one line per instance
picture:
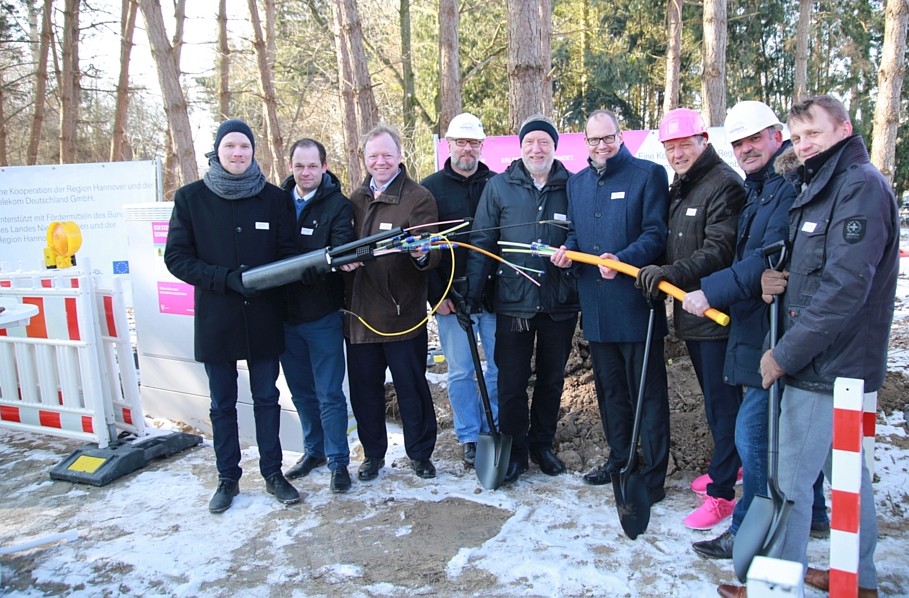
column 711, row 512
column 699, row 484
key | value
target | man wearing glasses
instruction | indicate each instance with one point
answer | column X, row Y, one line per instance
column 617, row 207
column 457, row 189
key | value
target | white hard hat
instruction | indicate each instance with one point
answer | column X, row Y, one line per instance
column 749, row 117
column 465, row 126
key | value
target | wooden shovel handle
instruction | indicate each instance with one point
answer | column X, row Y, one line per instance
column 670, row 289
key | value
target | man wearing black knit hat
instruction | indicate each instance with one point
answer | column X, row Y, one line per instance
column 529, row 192
column 228, row 222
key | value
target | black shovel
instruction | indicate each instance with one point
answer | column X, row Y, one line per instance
column 632, row 496
column 766, row 516
column 493, row 449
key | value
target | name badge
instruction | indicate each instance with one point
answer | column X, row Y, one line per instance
column 560, row 217
column 808, row 227
column 261, row 226
column 385, row 226
column 617, row 195
column 691, row 212
column 306, row 231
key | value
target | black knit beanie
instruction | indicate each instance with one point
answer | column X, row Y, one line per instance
column 234, row 125
column 539, row 125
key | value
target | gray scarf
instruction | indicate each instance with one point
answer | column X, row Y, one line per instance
column 231, row 186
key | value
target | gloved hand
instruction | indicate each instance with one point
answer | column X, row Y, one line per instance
column 235, row 283
column 648, row 280
column 463, row 314
column 310, row 276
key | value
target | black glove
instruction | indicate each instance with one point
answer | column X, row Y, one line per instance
column 235, row 283
column 648, row 280
column 310, row 276
column 463, row 314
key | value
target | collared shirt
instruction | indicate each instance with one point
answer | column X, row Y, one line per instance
column 379, row 189
column 299, row 201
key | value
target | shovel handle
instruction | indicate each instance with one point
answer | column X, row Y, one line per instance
column 668, row 288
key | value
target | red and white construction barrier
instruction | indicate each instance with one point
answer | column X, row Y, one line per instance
column 848, row 437
column 70, row 371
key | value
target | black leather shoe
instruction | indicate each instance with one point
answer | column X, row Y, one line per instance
column 718, row 548
column 515, row 468
column 223, row 496
column 601, row 475
column 340, row 480
column 548, row 462
column 369, row 470
column 305, row 465
column 470, row 453
column 278, row 485
column 820, row 529
column 423, row 468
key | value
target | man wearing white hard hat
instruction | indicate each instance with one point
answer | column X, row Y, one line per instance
column 757, row 141
column 705, row 199
column 457, row 189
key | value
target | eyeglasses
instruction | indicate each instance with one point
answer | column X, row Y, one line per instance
column 607, row 139
column 474, row 143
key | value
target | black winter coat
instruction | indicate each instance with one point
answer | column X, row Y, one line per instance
column 704, row 205
column 209, row 237
column 325, row 221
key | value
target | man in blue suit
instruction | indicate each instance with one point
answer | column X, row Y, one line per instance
column 617, row 207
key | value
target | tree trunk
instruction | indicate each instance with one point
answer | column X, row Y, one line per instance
column 4, row 160
column 223, row 63
column 358, row 104
column 267, row 87
column 528, row 71
column 174, row 101
column 34, row 139
column 544, row 14
column 800, row 90
column 119, row 148
column 673, row 56
column 890, row 82
column 449, row 65
column 69, row 82
column 408, row 105
column 713, row 82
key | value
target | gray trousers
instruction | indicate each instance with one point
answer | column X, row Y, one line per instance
column 806, row 441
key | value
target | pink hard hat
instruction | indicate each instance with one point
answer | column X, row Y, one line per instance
column 681, row 123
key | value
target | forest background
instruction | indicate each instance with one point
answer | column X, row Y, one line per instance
column 331, row 69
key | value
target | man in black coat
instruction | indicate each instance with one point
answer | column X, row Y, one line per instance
column 313, row 358
column 228, row 222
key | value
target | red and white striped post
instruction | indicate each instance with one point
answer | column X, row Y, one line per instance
column 848, row 400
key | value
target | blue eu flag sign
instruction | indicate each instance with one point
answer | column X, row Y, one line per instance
column 121, row 267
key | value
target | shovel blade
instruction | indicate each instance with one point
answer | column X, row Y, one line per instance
column 493, row 455
column 752, row 535
column 632, row 500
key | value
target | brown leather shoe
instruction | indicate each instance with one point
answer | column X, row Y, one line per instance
column 818, row 578
column 730, row 591
column 867, row 593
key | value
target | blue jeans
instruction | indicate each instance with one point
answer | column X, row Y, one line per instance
column 466, row 405
column 222, row 384
column 313, row 363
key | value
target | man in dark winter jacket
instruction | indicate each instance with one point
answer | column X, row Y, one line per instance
column 387, row 303
column 837, row 305
column 757, row 141
column 705, row 199
column 230, row 221
column 313, row 358
column 617, row 207
column 457, row 188
column 529, row 192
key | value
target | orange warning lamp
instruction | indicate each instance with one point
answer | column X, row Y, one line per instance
column 63, row 241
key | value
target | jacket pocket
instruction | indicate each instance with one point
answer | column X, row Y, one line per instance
column 511, row 288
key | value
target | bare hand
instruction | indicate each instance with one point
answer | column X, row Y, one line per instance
column 608, row 273
column 351, row 267
column 773, row 283
column 696, row 303
column 770, row 369
column 446, row 307
column 559, row 258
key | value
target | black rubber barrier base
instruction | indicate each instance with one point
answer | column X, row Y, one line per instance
column 99, row 467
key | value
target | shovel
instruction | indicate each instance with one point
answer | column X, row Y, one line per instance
column 632, row 497
column 493, row 449
column 766, row 515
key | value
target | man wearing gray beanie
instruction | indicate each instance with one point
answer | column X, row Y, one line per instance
column 228, row 222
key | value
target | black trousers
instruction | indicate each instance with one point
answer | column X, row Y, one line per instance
column 531, row 425
column 617, row 376
column 406, row 359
